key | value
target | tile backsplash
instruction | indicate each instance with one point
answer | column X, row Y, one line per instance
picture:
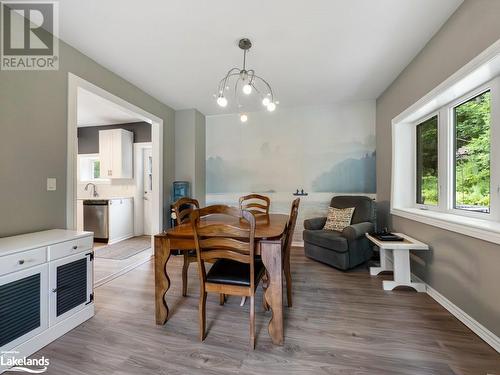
column 119, row 188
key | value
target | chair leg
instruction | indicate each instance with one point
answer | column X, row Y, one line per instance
column 243, row 300
column 252, row 322
column 222, row 299
column 288, row 278
column 265, row 285
column 185, row 268
column 202, row 314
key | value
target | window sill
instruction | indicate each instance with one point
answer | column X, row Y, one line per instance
column 96, row 182
column 485, row 230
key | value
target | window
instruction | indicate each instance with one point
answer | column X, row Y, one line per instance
column 96, row 169
column 472, row 154
column 427, row 162
column 446, row 153
column 89, row 168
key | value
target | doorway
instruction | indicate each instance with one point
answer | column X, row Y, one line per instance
column 133, row 199
column 147, row 158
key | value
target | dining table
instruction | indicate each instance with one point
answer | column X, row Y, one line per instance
column 269, row 233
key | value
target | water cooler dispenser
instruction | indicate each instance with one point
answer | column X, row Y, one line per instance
column 180, row 189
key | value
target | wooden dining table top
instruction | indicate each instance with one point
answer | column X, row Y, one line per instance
column 267, row 226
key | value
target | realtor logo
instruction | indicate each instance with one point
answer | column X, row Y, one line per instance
column 29, row 35
column 11, row 361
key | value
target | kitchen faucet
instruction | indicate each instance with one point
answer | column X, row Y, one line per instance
column 94, row 191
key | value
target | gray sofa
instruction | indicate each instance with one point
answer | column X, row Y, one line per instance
column 346, row 249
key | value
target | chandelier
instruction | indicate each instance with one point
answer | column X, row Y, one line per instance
column 248, row 81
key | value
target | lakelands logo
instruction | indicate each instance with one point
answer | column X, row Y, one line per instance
column 12, row 362
column 29, row 35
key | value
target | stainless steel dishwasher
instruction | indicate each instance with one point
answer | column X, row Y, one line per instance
column 96, row 218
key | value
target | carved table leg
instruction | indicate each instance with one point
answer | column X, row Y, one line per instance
column 271, row 256
column 162, row 281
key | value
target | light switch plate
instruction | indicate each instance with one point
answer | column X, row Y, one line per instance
column 51, row 184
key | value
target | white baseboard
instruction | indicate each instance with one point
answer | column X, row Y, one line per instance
column 489, row 337
column 122, row 238
column 485, row 334
column 298, row 243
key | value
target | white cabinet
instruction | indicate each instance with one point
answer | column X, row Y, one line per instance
column 46, row 289
column 115, row 153
column 121, row 219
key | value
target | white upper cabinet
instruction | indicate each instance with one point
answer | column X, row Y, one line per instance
column 115, row 153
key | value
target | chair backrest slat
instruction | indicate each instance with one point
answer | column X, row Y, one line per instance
column 222, row 230
column 224, row 243
column 183, row 208
column 255, row 203
column 287, row 245
column 211, row 255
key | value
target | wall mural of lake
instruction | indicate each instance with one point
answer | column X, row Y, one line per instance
column 324, row 150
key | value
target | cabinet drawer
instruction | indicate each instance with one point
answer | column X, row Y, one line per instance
column 64, row 249
column 22, row 260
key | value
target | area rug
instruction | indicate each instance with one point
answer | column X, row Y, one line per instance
column 124, row 249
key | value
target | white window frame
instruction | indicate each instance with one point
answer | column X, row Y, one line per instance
column 414, row 151
column 446, row 159
column 479, row 75
column 90, row 171
column 493, row 87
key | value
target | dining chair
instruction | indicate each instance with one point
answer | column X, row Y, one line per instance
column 258, row 205
column 255, row 203
column 286, row 250
column 182, row 209
column 235, row 271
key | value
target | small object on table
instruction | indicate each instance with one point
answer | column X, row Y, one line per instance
column 401, row 261
column 385, row 235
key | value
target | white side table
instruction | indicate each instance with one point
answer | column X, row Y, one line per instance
column 401, row 261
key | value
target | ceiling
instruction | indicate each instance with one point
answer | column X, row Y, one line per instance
column 312, row 52
column 92, row 110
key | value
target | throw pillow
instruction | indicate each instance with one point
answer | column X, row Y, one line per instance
column 338, row 218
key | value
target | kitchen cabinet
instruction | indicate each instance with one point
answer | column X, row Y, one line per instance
column 121, row 219
column 115, row 153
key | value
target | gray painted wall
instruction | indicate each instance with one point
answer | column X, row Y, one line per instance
column 190, row 150
column 200, row 157
column 88, row 136
column 465, row 270
column 33, row 140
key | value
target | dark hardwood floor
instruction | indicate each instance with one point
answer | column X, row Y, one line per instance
column 340, row 323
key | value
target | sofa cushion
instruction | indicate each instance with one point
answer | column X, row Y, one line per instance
column 365, row 207
column 227, row 271
column 329, row 239
column 338, row 218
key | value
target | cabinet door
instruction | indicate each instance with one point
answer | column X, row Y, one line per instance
column 115, row 152
column 23, row 306
column 71, row 282
column 121, row 219
column 106, row 153
column 128, row 212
